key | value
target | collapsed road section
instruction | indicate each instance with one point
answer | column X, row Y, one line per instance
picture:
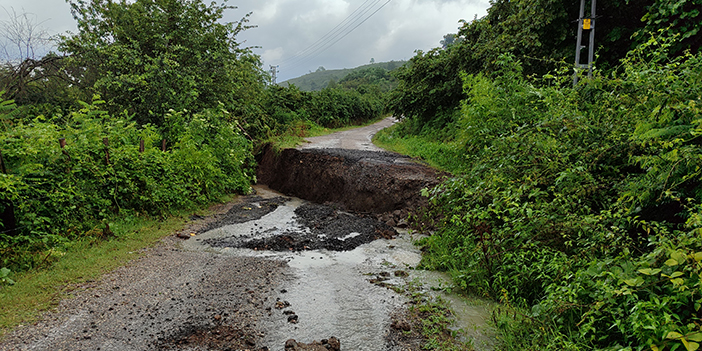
column 356, row 180
column 309, row 268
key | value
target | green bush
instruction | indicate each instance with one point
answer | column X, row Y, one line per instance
column 582, row 205
column 330, row 107
column 61, row 195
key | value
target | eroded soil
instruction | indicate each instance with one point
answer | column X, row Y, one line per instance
column 320, row 227
column 355, row 180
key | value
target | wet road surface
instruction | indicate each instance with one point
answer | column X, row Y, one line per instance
column 330, row 293
column 353, row 139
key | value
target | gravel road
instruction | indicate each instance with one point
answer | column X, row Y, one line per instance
column 352, row 139
column 167, row 299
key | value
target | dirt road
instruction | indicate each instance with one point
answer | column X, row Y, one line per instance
column 353, row 139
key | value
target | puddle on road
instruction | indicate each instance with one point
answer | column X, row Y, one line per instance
column 331, row 294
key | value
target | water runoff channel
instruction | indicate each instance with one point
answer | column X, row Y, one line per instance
column 333, row 257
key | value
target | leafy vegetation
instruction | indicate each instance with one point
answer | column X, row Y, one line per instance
column 61, row 194
column 329, row 108
column 540, row 35
column 580, row 206
column 149, row 57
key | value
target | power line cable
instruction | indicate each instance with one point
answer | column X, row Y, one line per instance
column 339, row 39
column 334, row 32
column 335, row 40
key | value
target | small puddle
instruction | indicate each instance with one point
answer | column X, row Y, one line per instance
column 471, row 314
column 330, row 293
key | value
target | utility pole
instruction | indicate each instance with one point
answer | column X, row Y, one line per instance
column 585, row 24
column 274, row 73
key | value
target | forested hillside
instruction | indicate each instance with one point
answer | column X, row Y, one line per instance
column 578, row 208
column 322, row 77
column 152, row 107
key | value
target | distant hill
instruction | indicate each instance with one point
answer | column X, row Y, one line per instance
column 320, row 79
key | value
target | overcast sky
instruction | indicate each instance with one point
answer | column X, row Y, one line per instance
column 289, row 31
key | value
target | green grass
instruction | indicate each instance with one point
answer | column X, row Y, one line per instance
column 432, row 318
column 440, row 154
column 39, row 290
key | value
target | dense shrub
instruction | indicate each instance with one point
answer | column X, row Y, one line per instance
column 62, row 194
column 582, row 205
column 330, row 107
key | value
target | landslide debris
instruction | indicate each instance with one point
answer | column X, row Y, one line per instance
column 248, row 209
column 331, row 344
column 361, row 181
column 321, row 227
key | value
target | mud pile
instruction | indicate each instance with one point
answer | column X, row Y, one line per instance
column 321, row 227
column 360, row 181
column 249, row 209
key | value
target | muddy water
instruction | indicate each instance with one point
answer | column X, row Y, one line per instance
column 329, row 292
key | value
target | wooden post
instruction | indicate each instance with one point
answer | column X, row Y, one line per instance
column 2, row 164
column 7, row 216
column 141, row 146
column 107, row 150
column 163, row 145
column 62, row 142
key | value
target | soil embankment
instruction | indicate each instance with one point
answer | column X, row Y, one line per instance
column 356, row 180
column 347, row 170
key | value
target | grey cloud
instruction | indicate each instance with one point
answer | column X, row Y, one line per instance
column 393, row 33
column 286, row 27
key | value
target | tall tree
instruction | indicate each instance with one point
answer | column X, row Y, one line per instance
column 150, row 56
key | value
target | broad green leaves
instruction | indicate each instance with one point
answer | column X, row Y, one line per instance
column 64, row 194
column 582, row 204
column 5, row 277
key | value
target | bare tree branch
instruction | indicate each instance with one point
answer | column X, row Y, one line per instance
column 22, row 37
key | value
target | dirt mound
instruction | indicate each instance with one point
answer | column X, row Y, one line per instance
column 321, row 227
column 221, row 337
column 331, row 344
column 361, row 181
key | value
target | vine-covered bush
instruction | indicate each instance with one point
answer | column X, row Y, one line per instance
column 582, row 205
column 60, row 194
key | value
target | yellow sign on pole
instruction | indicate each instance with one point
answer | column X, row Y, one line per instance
column 586, row 23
